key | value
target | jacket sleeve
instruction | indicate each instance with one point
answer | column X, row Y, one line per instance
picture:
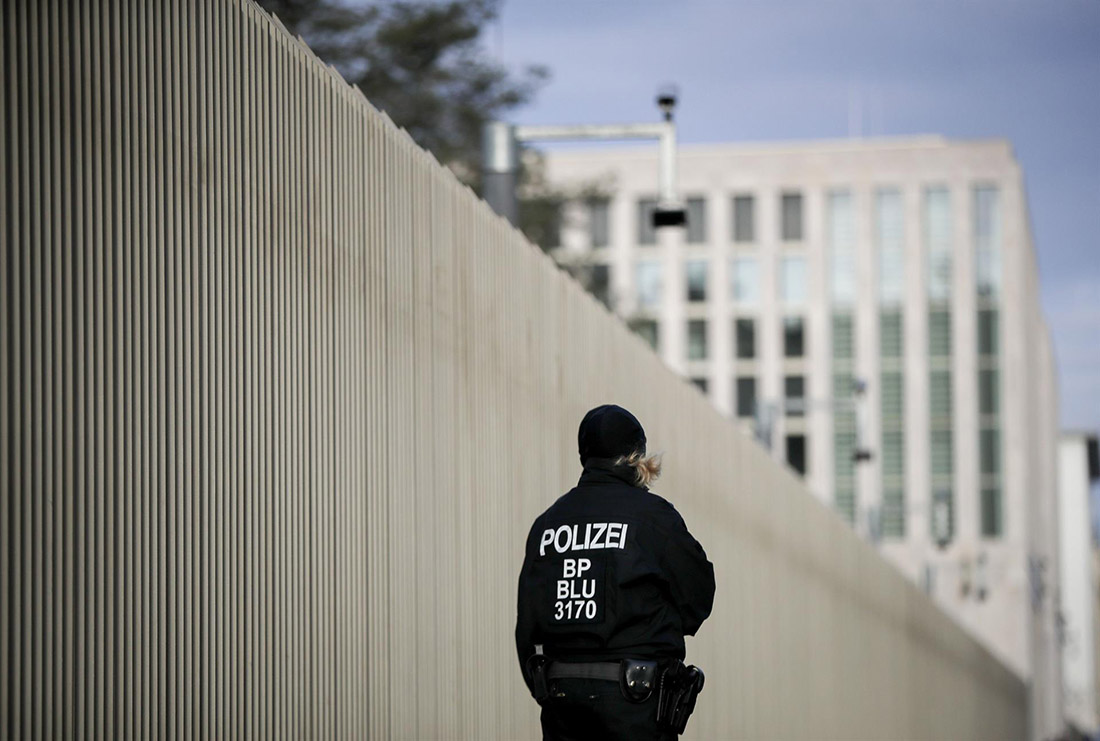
column 525, row 617
column 689, row 574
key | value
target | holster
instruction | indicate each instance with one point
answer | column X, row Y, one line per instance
column 537, row 665
column 637, row 679
column 679, row 685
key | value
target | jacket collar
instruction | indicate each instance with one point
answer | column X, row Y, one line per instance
column 605, row 471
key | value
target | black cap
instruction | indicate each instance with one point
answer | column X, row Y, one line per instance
column 609, row 431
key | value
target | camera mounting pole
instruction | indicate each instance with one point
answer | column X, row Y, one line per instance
column 500, row 158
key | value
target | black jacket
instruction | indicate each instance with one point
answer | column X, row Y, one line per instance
column 611, row 572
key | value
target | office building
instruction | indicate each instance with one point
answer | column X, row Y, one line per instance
column 870, row 310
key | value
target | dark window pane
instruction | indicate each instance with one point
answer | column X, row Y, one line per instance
column 700, row 383
column 939, row 333
column 746, row 396
column 893, row 395
column 791, row 226
column 646, row 233
column 942, row 453
column 893, row 453
column 794, row 390
column 893, row 512
column 992, row 515
column 843, row 337
column 599, row 221
column 743, row 227
column 989, row 391
column 793, row 346
column 890, row 337
column 599, row 283
column 939, row 392
column 988, row 329
column 989, row 451
column 796, row 452
column 696, row 274
column 696, row 220
column 697, row 339
column 746, row 338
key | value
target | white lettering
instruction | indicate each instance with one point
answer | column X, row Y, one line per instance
column 596, row 535
column 558, row 546
column 613, row 530
column 600, row 527
column 547, row 539
column 588, row 588
column 569, row 568
column 583, row 565
column 563, row 588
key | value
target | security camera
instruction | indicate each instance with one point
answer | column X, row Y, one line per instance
column 666, row 100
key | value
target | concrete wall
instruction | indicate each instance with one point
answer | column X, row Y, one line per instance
column 279, row 399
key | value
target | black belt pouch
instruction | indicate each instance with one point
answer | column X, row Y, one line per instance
column 637, row 679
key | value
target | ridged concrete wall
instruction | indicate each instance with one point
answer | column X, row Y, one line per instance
column 280, row 398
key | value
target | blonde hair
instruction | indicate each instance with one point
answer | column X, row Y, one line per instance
column 646, row 469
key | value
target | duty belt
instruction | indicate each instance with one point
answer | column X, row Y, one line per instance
column 609, row 670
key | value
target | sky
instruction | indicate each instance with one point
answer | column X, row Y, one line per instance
column 792, row 70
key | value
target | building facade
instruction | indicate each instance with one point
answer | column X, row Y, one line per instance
column 1078, row 468
column 869, row 310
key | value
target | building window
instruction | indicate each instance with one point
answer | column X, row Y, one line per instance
column 796, row 453
column 696, row 273
column 939, row 333
column 937, row 236
column 844, row 448
column 792, row 285
column 943, row 463
column 599, row 283
column 889, row 236
column 842, row 247
column 696, row 221
column 893, row 512
column 939, row 394
column 701, row 384
column 843, row 384
column 744, row 226
column 793, row 337
column 893, row 395
column 890, row 333
column 987, row 240
column 989, row 391
column 745, row 281
column 893, row 453
column 843, row 337
column 697, row 339
column 646, row 233
column 988, row 332
column 599, row 218
column 992, row 513
column 745, row 338
column 648, row 277
column 647, row 330
column 791, row 217
column 989, row 451
column 794, row 392
column 746, row 396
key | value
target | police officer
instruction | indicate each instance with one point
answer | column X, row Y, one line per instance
column 611, row 583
